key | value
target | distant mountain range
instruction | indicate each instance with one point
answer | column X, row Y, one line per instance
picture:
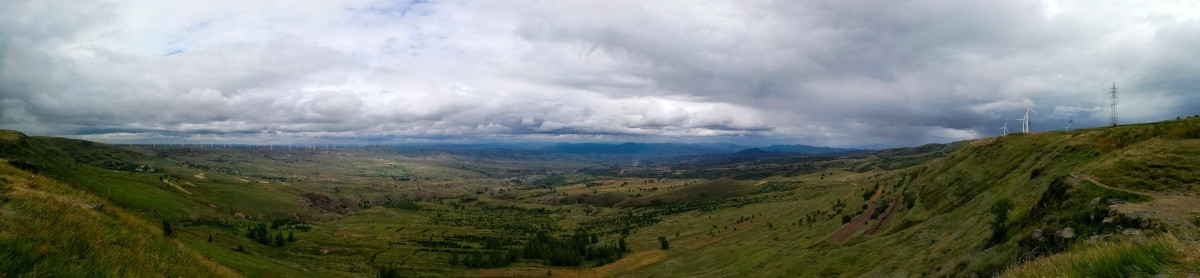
column 682, row 149
column 646, row 149
column 806, row 149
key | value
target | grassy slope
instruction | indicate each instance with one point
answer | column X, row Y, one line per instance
column 947, row 230
column 48, row 228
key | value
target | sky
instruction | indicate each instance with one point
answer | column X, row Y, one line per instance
column 829, row 73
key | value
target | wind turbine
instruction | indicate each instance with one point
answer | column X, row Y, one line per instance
column 1025, row 120
column 1069, row 122
column 1005, row 128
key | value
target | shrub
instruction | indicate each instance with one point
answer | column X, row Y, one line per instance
column 389, row 272
column 1000, row 222
column 167, row 230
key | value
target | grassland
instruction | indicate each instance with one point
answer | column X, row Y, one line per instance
column 1080, row 202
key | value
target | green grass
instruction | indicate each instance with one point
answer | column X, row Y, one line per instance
column 10, row 136
column 50, row 229
column 1129, row 258
column 1091, row 189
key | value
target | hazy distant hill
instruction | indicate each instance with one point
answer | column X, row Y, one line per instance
column 760, row 153
column 807, row 149
column 646, row 149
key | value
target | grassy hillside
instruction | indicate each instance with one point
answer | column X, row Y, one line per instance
column 937, row 217
column 48, row 228
column 1108, row 202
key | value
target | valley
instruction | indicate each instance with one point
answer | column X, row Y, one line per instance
column 1019, row 205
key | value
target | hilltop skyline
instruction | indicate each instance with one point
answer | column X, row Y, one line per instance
column 751, row 73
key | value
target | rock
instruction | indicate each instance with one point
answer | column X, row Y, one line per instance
column 324, row 251
column 1131, row 232
column 1098, row 238
column 1095, row 201
column 1067, row 232
column 1037, row 235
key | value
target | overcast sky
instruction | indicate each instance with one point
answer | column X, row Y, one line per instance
column 833, row 73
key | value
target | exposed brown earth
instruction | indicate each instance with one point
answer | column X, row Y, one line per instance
column 860, row 221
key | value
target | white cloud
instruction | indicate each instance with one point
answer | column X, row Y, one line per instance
column 831, row 73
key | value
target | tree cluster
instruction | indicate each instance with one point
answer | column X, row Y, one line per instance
column 572, row 251
column 481, row 260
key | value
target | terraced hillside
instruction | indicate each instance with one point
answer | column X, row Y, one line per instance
column 1104, row 202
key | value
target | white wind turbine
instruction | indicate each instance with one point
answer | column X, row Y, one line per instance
column 1025, row 120
column 1069, row 122
column 1005, row 128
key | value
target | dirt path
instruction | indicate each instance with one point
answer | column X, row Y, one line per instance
column 177, row 187
column 1174, row 210
column 860, row 221
column 1097, row 183
column 886, row 216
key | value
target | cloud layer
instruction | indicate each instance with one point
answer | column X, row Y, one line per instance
column 819, row 72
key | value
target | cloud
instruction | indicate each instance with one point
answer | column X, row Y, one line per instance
column 816, row 72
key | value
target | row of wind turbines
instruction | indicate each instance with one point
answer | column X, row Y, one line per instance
column 1025, row 122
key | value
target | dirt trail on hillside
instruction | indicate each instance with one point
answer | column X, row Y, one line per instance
column 886, row 216
column 177, row 187
column 860, row 221
column 1097, row 183
column 1176, row 210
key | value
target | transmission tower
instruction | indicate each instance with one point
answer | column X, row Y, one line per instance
column 1112, row 112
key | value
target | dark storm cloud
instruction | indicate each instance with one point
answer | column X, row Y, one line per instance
column 839, row 73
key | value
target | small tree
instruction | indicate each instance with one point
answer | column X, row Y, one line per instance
column 662, row 242
column 279, row 241
column 1000, row 222
column 209, row 237
column 167, row 230
column 291, row 236
column 389, row 272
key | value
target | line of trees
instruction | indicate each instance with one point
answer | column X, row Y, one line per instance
column 574, row 250
column 259, row 234
column 480, row 260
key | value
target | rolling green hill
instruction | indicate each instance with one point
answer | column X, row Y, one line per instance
column 1103, row 202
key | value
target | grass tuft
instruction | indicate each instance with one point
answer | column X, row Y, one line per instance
column 1113, row 259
